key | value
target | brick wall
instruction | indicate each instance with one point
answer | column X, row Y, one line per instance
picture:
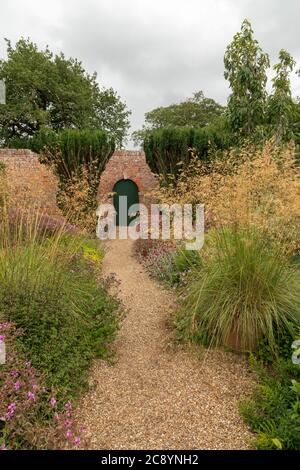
column 29, row 180
column 125, row 164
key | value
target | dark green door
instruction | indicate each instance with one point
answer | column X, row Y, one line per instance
column 125, row 188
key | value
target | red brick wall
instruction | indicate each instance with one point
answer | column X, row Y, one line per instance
column 125, row 164
column 29, row 179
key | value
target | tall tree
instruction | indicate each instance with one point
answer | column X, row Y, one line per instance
column 197, row 111
column 281, row 105
column 245, row 69
column 47, row 90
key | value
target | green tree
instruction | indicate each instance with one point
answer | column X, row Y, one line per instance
column 195, row 112
column 245, row 69
column 282, row 108
column 47, row 90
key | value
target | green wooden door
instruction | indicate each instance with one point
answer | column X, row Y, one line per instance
column 125, row 188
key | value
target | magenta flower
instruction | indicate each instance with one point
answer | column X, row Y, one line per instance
column 31, row 396
column 68, row 423
column 11, row 410
column 17, row 385
column 14, row 374
column 69, row 434
column 68, row 406
column 53, row 402
column 77, row 441
column 2, row 338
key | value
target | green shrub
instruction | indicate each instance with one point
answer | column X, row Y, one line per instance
column 273, row 412
column 168, row 148
column 49, row 290
column 244, row 292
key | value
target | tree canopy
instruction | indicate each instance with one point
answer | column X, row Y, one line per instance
column 195, row 112
column 48, row 90
column 246, row 70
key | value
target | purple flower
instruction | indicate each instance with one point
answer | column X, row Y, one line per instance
column 17, row 385
column 77, row 441
column 69, row 434
column 5, row 326
column 31, row 396
column 68, row 406
column 68, row 423
column 14, row 374
column 2, row 338
column 11, row 410
column 53, row 402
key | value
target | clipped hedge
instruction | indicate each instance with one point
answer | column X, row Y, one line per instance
column 71, row 149
column 166, row 148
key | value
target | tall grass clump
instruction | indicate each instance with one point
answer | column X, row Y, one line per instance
column 244, row 291
column 49, row 290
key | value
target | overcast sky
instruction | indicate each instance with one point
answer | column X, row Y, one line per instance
column 153, row 52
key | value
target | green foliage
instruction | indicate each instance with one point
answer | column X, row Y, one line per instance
column 244, row 292
column 71, row 150
column 273, row 412
column 168, row 148
column 47, row 90
column 281, row 107
column 196, row 112
column 48, row 289
column 245, row 69
column 166, row 263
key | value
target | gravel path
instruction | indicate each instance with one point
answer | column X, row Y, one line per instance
column 157, row 395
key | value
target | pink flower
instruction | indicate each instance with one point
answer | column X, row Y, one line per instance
column 69, row 434
column 11, row 410
column 17, row 385
column 68, row 406
column 14, row 374
column 68, row 423
column 2, row 338
column 31, row 396
column 77, row 441
column 53, row 402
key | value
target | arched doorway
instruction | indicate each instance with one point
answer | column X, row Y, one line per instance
column 125, row 188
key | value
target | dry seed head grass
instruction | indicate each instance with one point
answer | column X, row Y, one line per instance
column 251, row 187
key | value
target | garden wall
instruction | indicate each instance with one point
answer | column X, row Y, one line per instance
column 30, row 181
column 127, row 164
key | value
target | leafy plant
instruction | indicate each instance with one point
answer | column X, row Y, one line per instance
column 273, row 412
column 48, row 288
column 48, row 90
column 245, row 69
